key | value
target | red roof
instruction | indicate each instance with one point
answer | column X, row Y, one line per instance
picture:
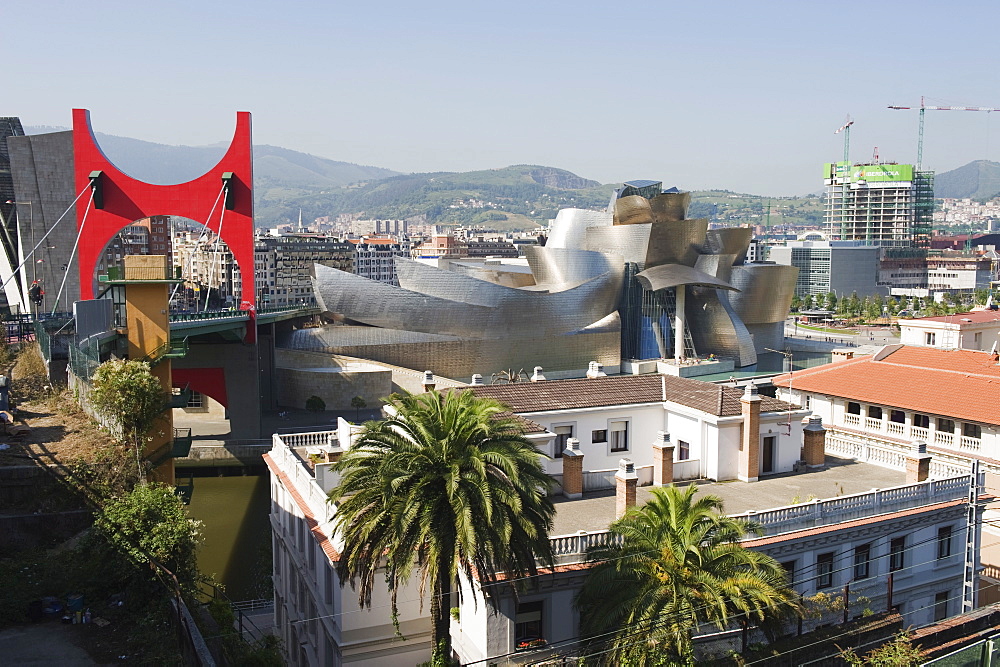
column 961, row 384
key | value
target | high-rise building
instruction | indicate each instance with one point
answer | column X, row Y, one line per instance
column 885, row 205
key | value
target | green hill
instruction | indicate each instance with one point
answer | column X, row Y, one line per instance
column 978, row 180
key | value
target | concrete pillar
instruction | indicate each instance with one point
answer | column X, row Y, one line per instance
column 626, row 480
column 572, row 463
column 679, row 317
column 814, row 442
column 918, row 463
column 748, row 465
column 663, row 460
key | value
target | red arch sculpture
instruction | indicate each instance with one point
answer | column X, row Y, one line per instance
column 127, row 199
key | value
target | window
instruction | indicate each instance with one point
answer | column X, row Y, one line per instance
column 528, row 621
column 197, row 400
column 808, row 402
column 824, row 570
column 972, row 430
column 897, row 416
column 563, row 433
column 922, row 421
column 619, row 436
column 683, row 451
column 977, row 341
column 874, row 412
column 946, row 425
column 941, row 606
column 599, row 436
column 862, row 559
column 897, row 552
column 853, row 408
column 789, row 567
column 944, row 542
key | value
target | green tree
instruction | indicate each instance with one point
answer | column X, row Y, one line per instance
column 150, row 523
column 807, row 302
column 796, row 302
column 446, row 484
column 900, row 652
column 677, row 564
column 831, row 301
column 359, row 404
column 129, row 399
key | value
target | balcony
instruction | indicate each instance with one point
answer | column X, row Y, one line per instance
column 969, row 444
column 944, row 438
column 919, row 433
column 852, row 420
column 873, row 424
column 895, row 428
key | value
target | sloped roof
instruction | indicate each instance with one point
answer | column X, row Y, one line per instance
column 973, row 317
column 960, row 384
column 555, row 395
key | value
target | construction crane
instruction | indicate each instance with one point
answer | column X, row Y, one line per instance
column 846, row 129
column 920, row 131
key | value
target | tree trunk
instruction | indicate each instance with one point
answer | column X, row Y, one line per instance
column 441, row 616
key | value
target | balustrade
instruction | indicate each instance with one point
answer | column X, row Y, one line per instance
column 944, row 438
column 873, row 424
column 919, row 433
column 895, row 428
column 972, row 444
column 852, row 420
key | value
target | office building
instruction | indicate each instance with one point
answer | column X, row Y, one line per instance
column 883, row 204
column 841, row 267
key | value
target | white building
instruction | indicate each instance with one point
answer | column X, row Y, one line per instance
column 976, row 330
column 912, row 533
column 374, row 258
column 621, row 416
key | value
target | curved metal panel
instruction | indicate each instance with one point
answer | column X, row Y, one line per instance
column 730, row 241
column 633, row 210
column 679, row 242
column 629, row 241
column 672, row 275
column 670, row 206
column 569, row 229
column 766, row 292
column 554, row 267
column 716, row 328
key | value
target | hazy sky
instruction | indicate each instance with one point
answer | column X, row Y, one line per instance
column 737, row 95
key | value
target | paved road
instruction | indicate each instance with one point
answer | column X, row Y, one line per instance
column 46, row 644
column 866, row 335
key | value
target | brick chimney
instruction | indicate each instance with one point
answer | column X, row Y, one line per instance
column 626, row 480
column 748, row 465
column 918, row 463
column 814, row 442
column 429, row 383
column 572, row 463
column 663, row 460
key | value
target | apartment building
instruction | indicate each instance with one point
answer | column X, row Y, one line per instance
column 976, row 330
column 898, row 538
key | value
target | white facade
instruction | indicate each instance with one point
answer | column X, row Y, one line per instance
column 375, row 258
column 979, row 330
column 320, row 622
column 705, row 446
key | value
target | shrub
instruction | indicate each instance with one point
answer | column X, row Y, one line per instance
column 315, row 404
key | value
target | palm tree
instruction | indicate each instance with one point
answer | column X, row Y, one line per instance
column 447, row 483
column 674, row 564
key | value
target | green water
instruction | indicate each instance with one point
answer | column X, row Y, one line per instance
column 237, row 545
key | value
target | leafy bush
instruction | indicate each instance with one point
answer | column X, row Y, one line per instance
column 315, row 404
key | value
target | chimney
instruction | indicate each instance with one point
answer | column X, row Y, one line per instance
column 429, row 381
column 537, row 376
column 595, row 370
column 663, row 460
column 918, row 463
column 572, row 463
column 814, row 442
column 748, row 465
column 477, row 380
column 626, row 480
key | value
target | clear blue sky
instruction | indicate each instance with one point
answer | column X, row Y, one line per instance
column 737, row 95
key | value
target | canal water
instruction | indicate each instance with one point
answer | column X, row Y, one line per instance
column 236, row 549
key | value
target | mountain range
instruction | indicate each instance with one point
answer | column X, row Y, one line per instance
column 515, row 197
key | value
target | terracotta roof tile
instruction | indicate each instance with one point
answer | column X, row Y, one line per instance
column 961, row 384
column 553, row 395
column 321, row 538
column 977, row 317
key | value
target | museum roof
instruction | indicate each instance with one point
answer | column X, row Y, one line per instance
column 555, row 395
column 961, row 384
